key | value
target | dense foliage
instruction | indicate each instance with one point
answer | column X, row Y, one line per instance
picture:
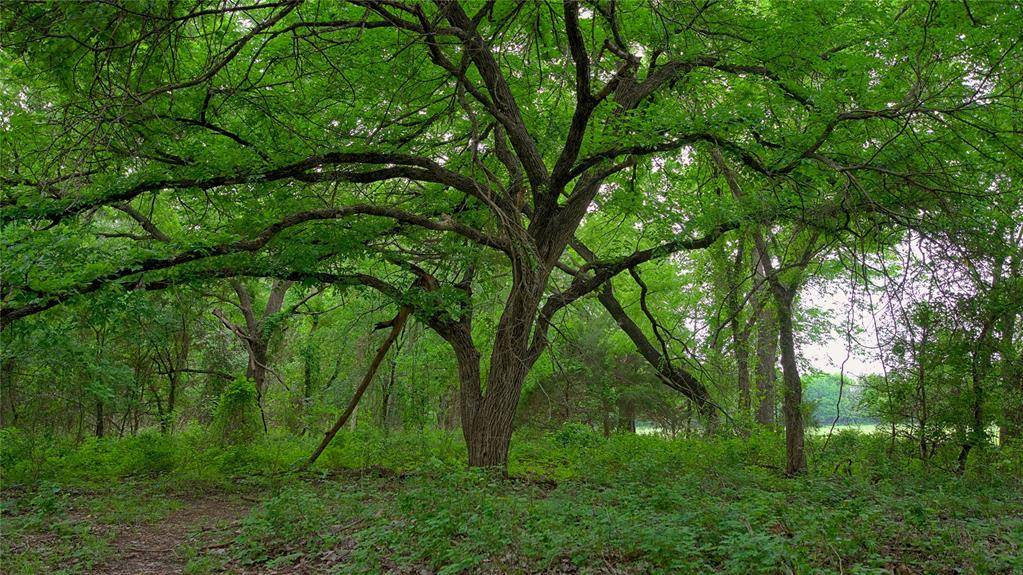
column 517, row 236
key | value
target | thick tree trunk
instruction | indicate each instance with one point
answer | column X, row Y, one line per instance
column 795, row 461
column 488, row 417
column 488, row 437
column 489, row 430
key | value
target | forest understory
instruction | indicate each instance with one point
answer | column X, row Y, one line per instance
column 573, row 502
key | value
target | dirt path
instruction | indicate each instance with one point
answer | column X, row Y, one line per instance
column 152, row 548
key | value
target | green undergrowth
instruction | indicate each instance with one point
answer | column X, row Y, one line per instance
column 574, row 502
column 51, row 528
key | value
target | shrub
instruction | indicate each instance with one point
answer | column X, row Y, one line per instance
column 236, row 420
column 576, row 435
column 151, row 452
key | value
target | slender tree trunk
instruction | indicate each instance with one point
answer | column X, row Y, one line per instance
column 184, row 349
column 257, row 365
column 387, row 389
column 677, row 379
column 628, row 423
column 256, row 341
column 921, row 391
column 172, row 394
column 257, row 373
column 1012, row 378
column 136, row 410
column 742, row 367
column 100, row 419
column 308, row 364
column 739, row 335
column 385, row 401
column 981, row 365
column 80, row 422
column 8, row 390
column 795, row 461
column 1012, row 430
column 674, row 377
column 161, row 415
column 767, row 359
column 396, row 325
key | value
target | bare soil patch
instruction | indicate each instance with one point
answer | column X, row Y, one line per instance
column 154, row 548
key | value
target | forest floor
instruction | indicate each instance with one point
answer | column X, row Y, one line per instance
column 156, row 546
column 404, row 504
column 128, row 529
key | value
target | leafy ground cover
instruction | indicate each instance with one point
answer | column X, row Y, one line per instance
column 573, row 503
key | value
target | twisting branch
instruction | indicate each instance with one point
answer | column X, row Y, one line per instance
column 310, row 169
column 49, row 300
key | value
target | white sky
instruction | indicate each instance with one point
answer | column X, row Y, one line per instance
column 828, row 352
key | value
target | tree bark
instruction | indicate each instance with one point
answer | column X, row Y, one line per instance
column 982, row 352
column 488, row 417
column 767, row 359
column 257, row 342
column 739, row 335
column 8, row 391
column 253, row 335
column 308, row 364
column 795, row 459
column 387, row 389
column 1012, row 431
column 1012, row 379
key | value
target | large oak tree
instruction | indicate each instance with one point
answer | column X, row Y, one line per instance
column 387, row 144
